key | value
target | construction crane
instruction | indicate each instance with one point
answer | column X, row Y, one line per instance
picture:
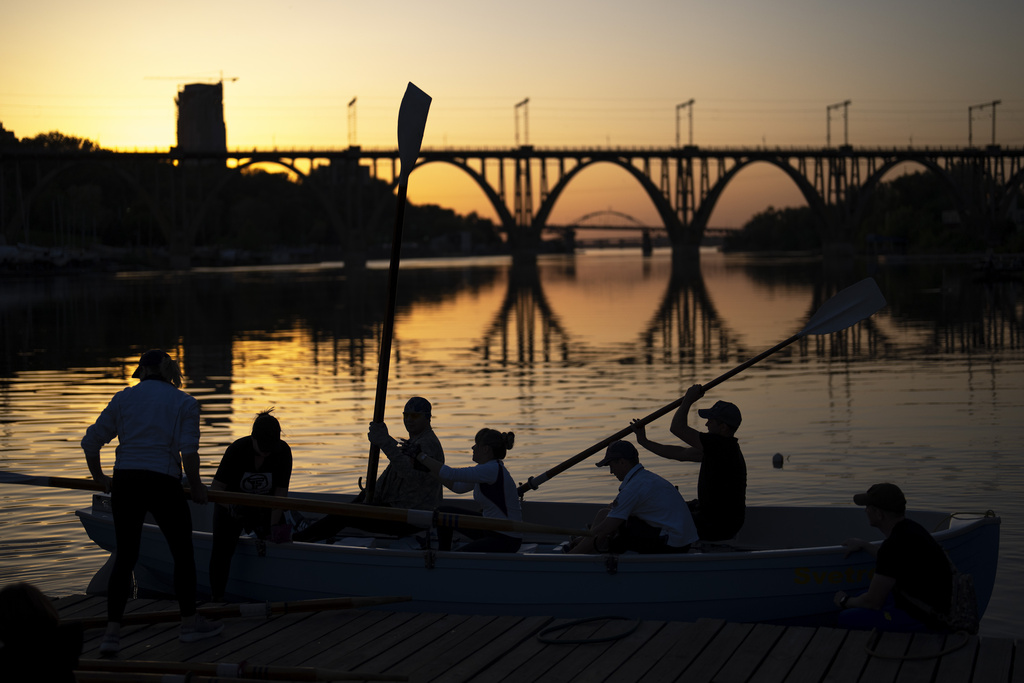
column 191, row 79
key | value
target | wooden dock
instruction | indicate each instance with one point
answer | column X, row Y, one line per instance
column 452, row 648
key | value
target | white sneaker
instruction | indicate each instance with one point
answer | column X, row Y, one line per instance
column 200, row 630
column 110, row 645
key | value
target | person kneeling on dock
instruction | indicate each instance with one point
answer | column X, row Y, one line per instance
column 492, row 487
column 913, row 580
column 648, row 515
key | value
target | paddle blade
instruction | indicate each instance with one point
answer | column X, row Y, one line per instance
column 848, row 307
column 412, row 120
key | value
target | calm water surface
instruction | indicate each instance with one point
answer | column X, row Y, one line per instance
column 927, row 393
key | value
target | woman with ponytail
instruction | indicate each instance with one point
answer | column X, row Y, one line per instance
column 492, row 487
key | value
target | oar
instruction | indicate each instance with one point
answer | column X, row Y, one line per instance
column 848, row 307
column 137, row 671
column 246, row 610
column 420, row 518
column 412, row 119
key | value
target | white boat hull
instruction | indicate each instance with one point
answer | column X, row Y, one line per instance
column 769, row 579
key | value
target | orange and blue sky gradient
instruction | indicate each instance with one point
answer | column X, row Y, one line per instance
column 596, row 74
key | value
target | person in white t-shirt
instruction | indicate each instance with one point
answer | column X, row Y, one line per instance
column 648, row 516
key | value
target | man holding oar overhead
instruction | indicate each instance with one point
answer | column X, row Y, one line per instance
column 720, row 506
column 157, row 427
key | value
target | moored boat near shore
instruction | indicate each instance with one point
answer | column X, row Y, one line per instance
column 784, row 567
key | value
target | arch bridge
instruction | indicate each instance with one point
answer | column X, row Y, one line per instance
column 524, row 184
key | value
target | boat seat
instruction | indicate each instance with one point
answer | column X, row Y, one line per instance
column 527, row 548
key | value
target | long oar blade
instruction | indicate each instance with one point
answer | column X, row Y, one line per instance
column 848, row 307
column 412, row 120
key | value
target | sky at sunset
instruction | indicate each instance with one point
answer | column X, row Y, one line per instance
column 596, row 74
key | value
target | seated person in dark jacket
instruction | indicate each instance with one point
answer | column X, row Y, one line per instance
column 720, row 506
column 36, row 646
column 260, row 463
column 913, row 579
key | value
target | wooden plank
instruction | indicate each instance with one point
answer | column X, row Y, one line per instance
column 818, row 656
column 740, row 667
column 782, row 658
column 583, row 656
column 498, row 646
column 956, row 667
column 651, row 651
column 610, row 665
column 850, row 659
column 534, row 658
column 1018, row 668
column 885, row 657
column 994, row 661
column 331, row 638
column 721, row 648
column 438, row 652
column 922, row 658
column 682, row 653
column 388, row 634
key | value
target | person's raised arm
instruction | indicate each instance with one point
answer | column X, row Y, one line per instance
column 670, row 451
column 681, row 428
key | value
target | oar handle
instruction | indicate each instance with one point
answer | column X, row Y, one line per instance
column 533, row 482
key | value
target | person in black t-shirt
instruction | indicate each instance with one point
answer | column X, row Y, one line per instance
column 913, row 581
column 260, row 463
column 720, row 506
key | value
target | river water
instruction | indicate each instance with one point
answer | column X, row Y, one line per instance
column 928, row 393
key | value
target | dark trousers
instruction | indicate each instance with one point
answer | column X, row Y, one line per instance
column 226, row 530
column 483, row 541
column 639, row 536
column 134, row 493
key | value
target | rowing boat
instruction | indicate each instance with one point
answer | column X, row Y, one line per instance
column 784, row 566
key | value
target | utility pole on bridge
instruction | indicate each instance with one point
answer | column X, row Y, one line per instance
column 828, row 122
column 352, row 123
column 526, row 119
column 970, row 119
column 683, row 106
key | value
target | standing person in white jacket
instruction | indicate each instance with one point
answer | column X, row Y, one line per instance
column 492, row 487
column 157, row 427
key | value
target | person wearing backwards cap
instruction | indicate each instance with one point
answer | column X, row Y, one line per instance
column 912, row 583
column 260, row 463
column 720, row 506
column 648, row 515
column 157, row 427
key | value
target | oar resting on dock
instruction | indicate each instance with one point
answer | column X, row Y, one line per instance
column 255, row 609
column 139, row 671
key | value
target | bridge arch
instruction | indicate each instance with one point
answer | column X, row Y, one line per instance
column 230, row 174
column 661, row 204
column 114, row 170
column 504, row 215
column 814, row 200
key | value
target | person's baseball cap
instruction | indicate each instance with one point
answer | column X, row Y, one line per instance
column 619, row 449
column 723, row 411
column 883, row 496
column 150, row 359
column 417, row 404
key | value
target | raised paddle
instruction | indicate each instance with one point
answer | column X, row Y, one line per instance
column 848, row 307
column 246, row 610
column 412, row 119
column 420, row 518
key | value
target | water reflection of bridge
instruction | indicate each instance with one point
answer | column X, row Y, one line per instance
column 686, row 329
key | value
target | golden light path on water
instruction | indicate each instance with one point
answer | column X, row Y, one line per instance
column 564, row 355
